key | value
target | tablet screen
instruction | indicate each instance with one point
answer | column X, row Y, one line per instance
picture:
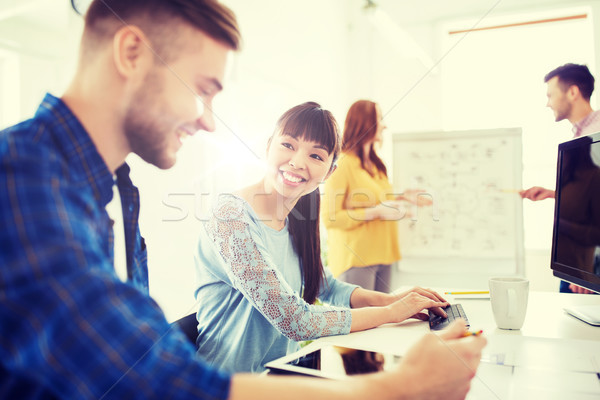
column 331, row 361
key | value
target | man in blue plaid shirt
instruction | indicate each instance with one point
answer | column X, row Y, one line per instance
column 76, row 320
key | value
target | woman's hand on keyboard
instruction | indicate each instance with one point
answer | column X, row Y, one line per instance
column 441, row 366
column 411, row 303
column 371, row 309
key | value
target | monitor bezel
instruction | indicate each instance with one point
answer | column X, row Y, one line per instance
column 559, row 270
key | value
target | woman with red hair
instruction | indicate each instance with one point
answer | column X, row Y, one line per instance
column 360, row 210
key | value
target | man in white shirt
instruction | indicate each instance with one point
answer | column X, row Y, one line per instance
column 569, row 88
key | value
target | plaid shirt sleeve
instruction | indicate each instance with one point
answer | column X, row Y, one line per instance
column 68, row 327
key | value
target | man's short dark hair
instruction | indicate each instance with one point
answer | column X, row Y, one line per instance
column 573, row 74
column 160, row 20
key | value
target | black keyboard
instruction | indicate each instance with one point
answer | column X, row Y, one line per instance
column 454, row 311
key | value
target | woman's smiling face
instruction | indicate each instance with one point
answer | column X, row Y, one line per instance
column 296, row 166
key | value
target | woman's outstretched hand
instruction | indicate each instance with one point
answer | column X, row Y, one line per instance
column 420, row 197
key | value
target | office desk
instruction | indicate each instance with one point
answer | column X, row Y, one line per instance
column 554, row 355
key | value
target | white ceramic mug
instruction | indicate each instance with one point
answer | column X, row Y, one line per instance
column 509, row 296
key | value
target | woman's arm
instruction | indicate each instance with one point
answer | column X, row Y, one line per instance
column 371, row 308
column 250, row 270
column 368, row 298
column 365, row 298
column 334, row 214
column 247, row 265
column 339, row 187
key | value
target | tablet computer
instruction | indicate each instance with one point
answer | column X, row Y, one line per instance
column 326, row 360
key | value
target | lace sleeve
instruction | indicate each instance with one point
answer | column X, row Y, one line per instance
column 262, row 284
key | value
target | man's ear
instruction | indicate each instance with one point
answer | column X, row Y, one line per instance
column 573, row 92
column 333, row 168
column 131, row 51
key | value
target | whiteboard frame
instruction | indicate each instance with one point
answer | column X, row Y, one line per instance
column 469, row 265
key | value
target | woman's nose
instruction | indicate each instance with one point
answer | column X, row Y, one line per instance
column 296, row 162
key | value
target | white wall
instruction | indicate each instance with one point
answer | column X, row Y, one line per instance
column 45, row 50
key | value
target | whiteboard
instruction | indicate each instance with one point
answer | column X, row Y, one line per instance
column 473, row 178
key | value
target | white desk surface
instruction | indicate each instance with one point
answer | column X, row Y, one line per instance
column 545, row 316
column 553, row 356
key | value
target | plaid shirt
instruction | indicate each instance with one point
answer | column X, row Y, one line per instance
column 69, row 328
column 590, row 124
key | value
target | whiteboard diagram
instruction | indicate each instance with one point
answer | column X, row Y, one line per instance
column 472, row 178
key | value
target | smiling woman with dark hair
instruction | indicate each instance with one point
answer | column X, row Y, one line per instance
column 258, row 261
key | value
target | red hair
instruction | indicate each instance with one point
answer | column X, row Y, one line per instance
column 359, row 129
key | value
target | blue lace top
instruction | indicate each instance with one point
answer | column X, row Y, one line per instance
column 249, row 283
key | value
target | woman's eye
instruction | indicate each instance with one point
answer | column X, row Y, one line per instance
column 318, row 157
column 289, row 146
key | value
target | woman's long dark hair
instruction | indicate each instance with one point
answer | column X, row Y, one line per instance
column 310, row 122
column 360, row 128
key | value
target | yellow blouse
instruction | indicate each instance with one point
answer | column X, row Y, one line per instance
column 352, row 241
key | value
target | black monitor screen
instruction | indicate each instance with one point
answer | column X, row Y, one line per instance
column 576, row 238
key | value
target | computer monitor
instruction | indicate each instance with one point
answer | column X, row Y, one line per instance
column 576, row 237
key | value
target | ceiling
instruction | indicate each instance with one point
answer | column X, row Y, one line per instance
column 415, row 12
column 55, row 14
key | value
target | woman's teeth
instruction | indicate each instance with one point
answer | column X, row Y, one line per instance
column 291, row 178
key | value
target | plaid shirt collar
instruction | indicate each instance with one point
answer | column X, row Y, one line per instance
column 84, row 160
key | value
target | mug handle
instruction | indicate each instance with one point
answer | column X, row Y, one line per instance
column 512, row 302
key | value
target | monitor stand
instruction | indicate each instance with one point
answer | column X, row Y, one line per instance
column 589, row 314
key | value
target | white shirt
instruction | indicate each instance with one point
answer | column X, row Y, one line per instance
column 115, row 212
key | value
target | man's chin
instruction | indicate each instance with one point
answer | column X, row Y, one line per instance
column 167, row 164
column 161, row 163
